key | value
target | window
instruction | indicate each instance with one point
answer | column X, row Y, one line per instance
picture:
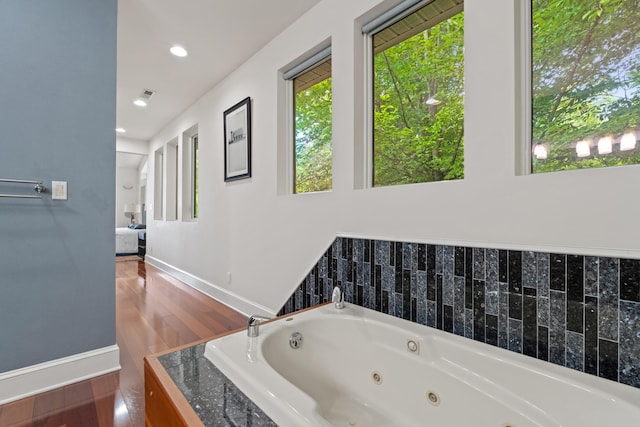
column 158, row 183
column 585, row 84
column 194, row 190
column 312, row 110
column 171, row 177
column 189, row 174
column 418, row 93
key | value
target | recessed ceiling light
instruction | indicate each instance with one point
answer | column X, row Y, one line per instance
column 140, row 103
column 178, row 51
column 121, row 130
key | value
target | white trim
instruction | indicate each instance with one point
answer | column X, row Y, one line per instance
column 393, row 15
column 523, row 116
column 307, row 64
column 221, row 295
column 290, row 148
column 601, row 252
column 368, row 91
column 363, row 111
column 187, row 173
column 25, row 382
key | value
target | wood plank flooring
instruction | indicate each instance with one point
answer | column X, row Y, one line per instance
column 154, row 312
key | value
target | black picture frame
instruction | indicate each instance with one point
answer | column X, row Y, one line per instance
column 237, row 141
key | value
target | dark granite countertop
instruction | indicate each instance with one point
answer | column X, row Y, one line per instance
column 216, row 400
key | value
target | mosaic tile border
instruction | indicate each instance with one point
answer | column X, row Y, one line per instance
column 582, row 312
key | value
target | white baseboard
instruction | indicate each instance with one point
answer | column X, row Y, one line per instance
column 25, row 382
column 224, row 296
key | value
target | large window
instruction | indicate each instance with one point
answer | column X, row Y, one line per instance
column 312, row 127
column 418, row 94
column 585, row 83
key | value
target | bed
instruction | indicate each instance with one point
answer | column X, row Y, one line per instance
column 127, row 239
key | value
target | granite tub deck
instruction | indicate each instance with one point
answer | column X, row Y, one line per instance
column 184, row 388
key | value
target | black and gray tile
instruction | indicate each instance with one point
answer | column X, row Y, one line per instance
column 582, row 312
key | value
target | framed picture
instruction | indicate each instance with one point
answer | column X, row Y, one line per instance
column 237, row 141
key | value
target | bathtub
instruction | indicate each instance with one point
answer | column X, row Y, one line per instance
column 358, row 367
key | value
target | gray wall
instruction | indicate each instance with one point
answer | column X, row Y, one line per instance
column 57, row 120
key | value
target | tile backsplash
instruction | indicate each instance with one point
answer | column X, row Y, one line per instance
column 582, row 312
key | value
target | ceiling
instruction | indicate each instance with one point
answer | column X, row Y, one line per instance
column 219, row 35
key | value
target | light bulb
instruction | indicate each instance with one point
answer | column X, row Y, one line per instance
column 628, row 141
column 540, row 152
column 605, row 145
column 140, row 103
column 582, row 149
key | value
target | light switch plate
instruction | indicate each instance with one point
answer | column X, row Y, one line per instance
column 59, row 190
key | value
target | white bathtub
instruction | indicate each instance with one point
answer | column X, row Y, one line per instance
column 354, row 368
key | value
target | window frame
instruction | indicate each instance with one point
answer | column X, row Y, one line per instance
column 523, row 80
column 158, row 184
column 308, row 62
column 187, row 175
column 194, row 141
column 365, row 167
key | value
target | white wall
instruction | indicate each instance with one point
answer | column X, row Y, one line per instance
column 268, row 242
column 130, row 145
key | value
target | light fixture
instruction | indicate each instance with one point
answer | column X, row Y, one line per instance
column 540, row 152
column 130, row 211
column 628, row 141
column 121, row 130
column 582, row 149
column 178, row 51
column 605, row 145
column 140, row 103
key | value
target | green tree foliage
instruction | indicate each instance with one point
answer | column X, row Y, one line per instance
column 418, row 104
column 586, row 85
column 586, row 79
column 313, row 138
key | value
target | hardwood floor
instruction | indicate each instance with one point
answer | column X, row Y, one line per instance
column 154, row 312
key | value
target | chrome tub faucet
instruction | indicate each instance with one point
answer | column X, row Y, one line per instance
column 253, row 325
column 337, row 298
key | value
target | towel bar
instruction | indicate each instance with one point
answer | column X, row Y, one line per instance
column 38, row 187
